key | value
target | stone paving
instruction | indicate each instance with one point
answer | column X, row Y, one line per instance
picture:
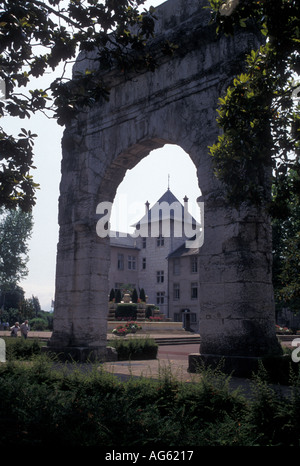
column 171, row 359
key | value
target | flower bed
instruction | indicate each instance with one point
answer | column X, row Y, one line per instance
column 151, row 326
column 282, row 330
column 120, row 331
column 130, row 327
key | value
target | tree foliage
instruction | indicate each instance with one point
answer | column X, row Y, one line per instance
column 286, row 256
column 38, row 36
column 260, row 114
column 142, row 295
column 134, row 296
column 15, row 230
column 260, row 121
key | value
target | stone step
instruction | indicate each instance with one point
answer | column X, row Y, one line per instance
column 177, row 341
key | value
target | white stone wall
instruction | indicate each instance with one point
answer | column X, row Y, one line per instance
column 126, row 275
column 185, row 278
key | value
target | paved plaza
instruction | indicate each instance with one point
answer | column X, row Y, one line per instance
column 171, row 359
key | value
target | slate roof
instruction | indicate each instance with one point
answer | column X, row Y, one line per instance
column 124, row 240
column 157, row 211
column 183, row 251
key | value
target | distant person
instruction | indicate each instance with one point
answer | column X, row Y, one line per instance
column 24, row 329
column 14, row 329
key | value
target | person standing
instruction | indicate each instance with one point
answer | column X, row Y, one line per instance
column 14, row 329
column 24, row 329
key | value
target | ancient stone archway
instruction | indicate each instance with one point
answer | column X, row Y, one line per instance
column 175, row 104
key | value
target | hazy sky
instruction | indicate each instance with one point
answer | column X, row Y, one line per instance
column 133, row 192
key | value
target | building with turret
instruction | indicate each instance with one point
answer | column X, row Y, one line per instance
column 156, row 258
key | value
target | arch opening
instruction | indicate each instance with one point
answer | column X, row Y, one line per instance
column 168, row 167
column 159, row 194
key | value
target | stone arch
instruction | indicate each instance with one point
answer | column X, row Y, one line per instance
column 176, row 104
column 162, row 167
column 125, row 160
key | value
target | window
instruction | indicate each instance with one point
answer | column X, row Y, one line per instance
column 193, row 317
column 144, row 242
column 160, row 297
column 176, row 291
column 176, row 266
column 120, row 261
column 144, row 263
column 131, row 263
column 194, row 264
column 194, row 290
column 160, row 241
column 160, row 276
column 178, row 317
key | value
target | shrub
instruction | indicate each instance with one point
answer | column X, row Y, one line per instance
column 134, row 296
column 112, row 295
column 46, row 404
column 135, row 348
column 19, row 348
column 118, row 296
column 149, row 310
column 126, row 311
column 38, row 323
column 142, row 295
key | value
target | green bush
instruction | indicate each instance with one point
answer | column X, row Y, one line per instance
column 19, row 348
column 126, row 311
column 142, row 295
column 46, row 404
column 134, row 297
column 149, row 310
column 38, row 323
column 135, row 348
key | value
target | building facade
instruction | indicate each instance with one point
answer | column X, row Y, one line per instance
column 156, row 259
column 183, row 268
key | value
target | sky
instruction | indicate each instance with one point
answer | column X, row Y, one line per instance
column 176, row 170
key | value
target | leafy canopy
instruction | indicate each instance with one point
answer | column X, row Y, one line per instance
column 15, row 231
column 38, row 36
column 260, row 121
column 286, row 255
column 260, row 113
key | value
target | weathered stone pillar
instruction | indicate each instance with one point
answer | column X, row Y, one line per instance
column 80, row 324
column 237, row 318
column 81, row 295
